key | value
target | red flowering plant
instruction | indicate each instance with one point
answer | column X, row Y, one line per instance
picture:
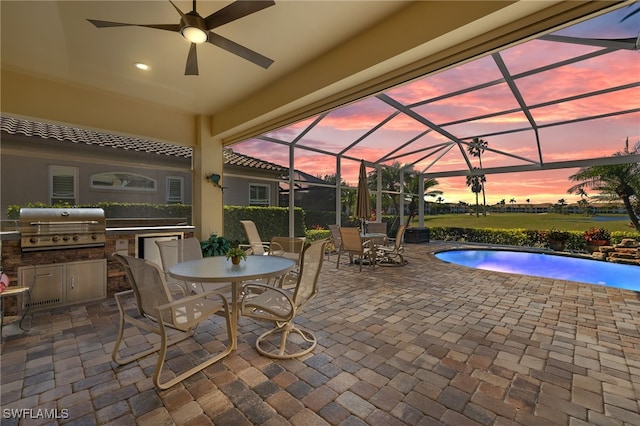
column 597, row 236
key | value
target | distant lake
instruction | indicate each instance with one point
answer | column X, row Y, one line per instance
column 609, row 218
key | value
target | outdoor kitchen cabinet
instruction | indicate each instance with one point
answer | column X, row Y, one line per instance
column 65, row 283
column 86, row 280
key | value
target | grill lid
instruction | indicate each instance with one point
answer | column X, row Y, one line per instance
column 38, row 216
column 57, row 228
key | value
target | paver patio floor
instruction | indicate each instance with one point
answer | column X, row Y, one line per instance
column 425, row 344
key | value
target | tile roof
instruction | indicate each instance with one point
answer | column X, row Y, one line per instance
column 235, row 159
column 19, row 126
column 70, row 134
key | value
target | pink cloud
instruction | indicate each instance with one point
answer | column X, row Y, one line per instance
column 588, row 139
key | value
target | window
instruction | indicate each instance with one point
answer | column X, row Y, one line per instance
column 175, row 190
column 259, row 195
column 63, row 183
column 123, row 181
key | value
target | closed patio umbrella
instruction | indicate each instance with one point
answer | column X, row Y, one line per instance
column 363, row 206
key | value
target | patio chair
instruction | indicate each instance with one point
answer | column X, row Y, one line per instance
column 336, row 239
column 281, row 306
column 378, row 228
column 291, row 248
column 173, row 320
column 176, row 251
column 256, row 245
column 352, row 243
column 392, row 255
column 288, row 247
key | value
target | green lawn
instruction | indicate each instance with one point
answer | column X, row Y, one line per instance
column 573, row 222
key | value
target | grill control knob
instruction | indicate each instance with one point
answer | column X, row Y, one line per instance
column 33, row 240
column 76, row 237
column 55, row 238
column 94, row 236
column 66, row 238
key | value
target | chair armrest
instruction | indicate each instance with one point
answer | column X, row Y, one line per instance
column 264, row 293
column 249, row 250
column 275, row 249
column 190, row 315
column 121, row 294
column 186, row 300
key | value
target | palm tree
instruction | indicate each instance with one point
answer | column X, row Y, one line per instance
column 616, row 181
column 562, row 202
column 391, row 182
column 476, row 148
column 584, row 200
column 411, row 186
column 475, row 182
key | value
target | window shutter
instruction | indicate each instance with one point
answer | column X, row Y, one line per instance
column 174, row 190
column 63, row 186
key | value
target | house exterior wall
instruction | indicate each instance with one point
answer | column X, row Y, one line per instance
column 236, row 183
column 25, row 161
column 24, row 172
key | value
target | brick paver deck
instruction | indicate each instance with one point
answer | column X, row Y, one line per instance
column 425, row 344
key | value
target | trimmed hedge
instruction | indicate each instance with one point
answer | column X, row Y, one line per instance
column 270, row 221
column 518, row 237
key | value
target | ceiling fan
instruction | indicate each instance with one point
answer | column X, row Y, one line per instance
column 197, row 30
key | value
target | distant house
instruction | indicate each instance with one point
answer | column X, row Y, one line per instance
column 50, row 163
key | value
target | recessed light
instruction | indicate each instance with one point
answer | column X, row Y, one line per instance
column 142, row 66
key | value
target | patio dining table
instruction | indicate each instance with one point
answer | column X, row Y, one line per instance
column 375, row 238
column 218, row 269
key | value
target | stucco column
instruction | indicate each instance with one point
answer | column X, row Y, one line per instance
column 208, row 209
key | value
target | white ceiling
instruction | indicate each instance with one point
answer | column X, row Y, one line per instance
column 326, row 53
column 53, row 38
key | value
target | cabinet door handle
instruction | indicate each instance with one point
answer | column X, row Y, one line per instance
column 43, row 275
column 73, row 282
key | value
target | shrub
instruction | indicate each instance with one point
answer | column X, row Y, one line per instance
column 591, row 236
column 215, row 246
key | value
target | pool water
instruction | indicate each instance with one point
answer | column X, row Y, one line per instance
column 548, row 266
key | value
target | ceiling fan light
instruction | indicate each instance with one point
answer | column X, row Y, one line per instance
column 194, row 34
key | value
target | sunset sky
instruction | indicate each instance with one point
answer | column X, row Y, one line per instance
column 348, row 130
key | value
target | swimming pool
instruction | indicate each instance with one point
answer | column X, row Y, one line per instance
column 547, row 266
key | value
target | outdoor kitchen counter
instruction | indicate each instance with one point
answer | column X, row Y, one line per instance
column 150, row 229
column 9, row 235
column 117, row 238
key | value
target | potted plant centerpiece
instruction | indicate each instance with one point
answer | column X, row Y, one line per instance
column 558, row 239
column 236, row 255
column 596, row 237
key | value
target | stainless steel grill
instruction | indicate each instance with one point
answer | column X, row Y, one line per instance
column 52, row 229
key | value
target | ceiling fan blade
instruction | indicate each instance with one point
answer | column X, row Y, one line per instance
column 192, row 61
column 234, row 11
column 107, row 24
column 236, row 49
column 176, row 8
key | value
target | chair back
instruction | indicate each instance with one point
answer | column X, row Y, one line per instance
column 255, row 242
column 310, row 265
column 176, row 251
column 351, row 239
column 288, row 245
column 147, row 282
column 335, row 235
column 377, row 228
column 399, row 237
